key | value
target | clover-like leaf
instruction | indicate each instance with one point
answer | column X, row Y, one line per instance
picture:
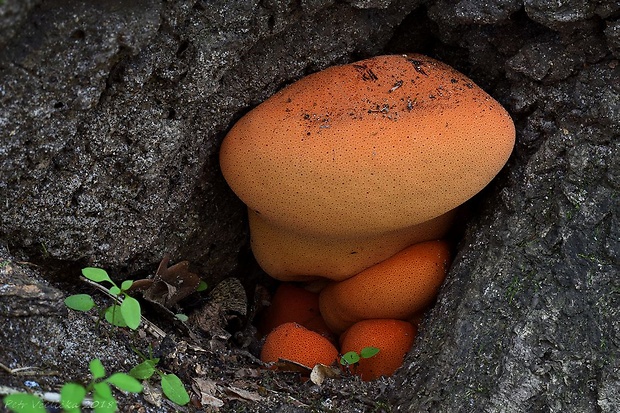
column 144, row 370
column 125, row 382
column 349, row 358
column 368, row 352
column 173, row 389
column 96, row 274
column 126, row 285
column 24, row 403
column 182, row 317
column 71, row 397
column 114, row 316
column 80, row 302
column 202, row 286
column 103, row 400
column 96, row 369
column 130, row 308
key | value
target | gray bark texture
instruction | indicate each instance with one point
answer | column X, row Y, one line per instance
column 111, row 116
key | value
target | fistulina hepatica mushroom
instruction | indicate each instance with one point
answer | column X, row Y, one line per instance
column 346, row 167
column 349, row 166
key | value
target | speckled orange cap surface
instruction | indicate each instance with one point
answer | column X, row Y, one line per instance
column 393, row 338
column 293, row 342
column 367, row 148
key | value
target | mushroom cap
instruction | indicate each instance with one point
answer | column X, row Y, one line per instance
column 291, row 341
column 396, row 288
column 393, row 338
column 292, row 256
column 368, row 147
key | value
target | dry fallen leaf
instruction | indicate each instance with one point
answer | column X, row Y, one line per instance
column 169, row 285
column 151, row 393
column 207, row 390
column 241, row 394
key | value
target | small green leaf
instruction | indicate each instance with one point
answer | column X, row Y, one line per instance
column 96, row 274
column 126, row 285
column 114, row 316
column 71, row 397
column 202, row 285
column 182, row 317
column 103, row 400
column 80, row 302
column 144, row 370
column 368, row 352
column 114, row 290
column 96, row 369
column 349, row 358
column 130, row 308
column 125, row 382
column 24, row 403
column 173, row 389
column 103, row 389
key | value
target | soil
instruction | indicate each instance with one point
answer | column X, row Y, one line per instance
column 216, row 359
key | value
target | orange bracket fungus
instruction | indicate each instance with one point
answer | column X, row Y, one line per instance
column 398, row 287
column 393, row 338
column 346, row 167
column 293, row 342
column 352, row 175
column 291, row 303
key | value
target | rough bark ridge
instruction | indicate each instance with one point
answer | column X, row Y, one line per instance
column 111, row 114
column 528, row 318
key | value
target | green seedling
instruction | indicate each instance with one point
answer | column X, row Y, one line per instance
column 202, row 286
column 352, row 357
column 171, row 385
column 24, row 403
column 125, row 314
column 73, row 395
column 182, row 317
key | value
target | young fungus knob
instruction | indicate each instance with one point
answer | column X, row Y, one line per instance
column 396, row 288
column 291, row 303
column 393, row 338
column 293, row 342
column 360, row 155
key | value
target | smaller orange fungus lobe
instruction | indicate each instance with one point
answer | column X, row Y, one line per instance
column 396, row 288
column 393, row 338
column 293, row 342
column 291, row 303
